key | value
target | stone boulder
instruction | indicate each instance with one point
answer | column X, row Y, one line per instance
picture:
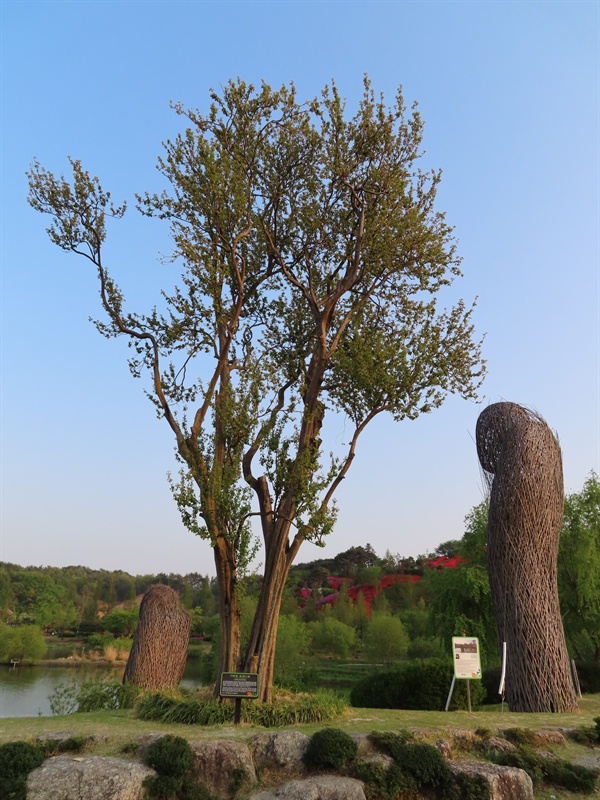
column 505, row 783
column 284, row 750
column 320, row 787
column 497, row 745
column 93, row 778
column 222, row 767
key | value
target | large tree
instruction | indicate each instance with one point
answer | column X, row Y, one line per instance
column 312, row 258
column 579, row 570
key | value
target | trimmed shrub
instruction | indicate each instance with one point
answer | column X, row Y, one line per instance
column 17, row 760
column 169, row 755
column 415, row 685
column 554, row 771
column 330, row 748
column 417, row 767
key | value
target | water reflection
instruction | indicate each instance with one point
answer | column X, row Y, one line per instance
column 24, row 691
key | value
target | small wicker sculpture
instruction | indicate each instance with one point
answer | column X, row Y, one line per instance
column 522, row 463
column 157, row 658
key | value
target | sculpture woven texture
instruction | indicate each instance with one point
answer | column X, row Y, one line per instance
column 522, row 463
column 157, row 658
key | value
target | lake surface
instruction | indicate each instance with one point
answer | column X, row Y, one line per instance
column 24, row 691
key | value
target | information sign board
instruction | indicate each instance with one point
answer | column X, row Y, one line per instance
column 239, row 684
column 467, row 663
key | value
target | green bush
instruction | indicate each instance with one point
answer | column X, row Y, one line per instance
column 385, row 640
column 424, row 763
column 286, row 709
column 169, row 755
column 330, row 748
column 74, row 744
column 597, row 722
column 382, row 783
column 554, row 771
column 415, row 685
column 417, row 767
column 17, row 760
column 94, row 695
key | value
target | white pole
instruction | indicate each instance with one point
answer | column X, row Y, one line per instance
column 450, row 694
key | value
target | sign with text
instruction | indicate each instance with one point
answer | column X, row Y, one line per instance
column 239, row 684
column 465, row 652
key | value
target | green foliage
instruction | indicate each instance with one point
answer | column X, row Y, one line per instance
column 414, row 685
column 286, row 709
column 74, row 744
column 550, row 770
column 293, row 641
column 417, row 767
column 579, row 571
column 312, row 256
column 330, row 748
column 384, row 782
column 597, row 722
column 332, row 637
column 21, row 643
column 120, row 622
column 171, row 757
column 17, row 760
column 94, row 695
column 385, row 640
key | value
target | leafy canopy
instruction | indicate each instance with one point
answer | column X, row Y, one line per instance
column 312, row 255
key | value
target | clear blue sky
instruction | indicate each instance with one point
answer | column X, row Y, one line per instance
column 509, row 92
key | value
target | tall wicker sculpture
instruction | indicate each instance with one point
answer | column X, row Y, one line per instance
column 160, row 643
column 522, row 463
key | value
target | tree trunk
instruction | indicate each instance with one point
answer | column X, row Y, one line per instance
column 519, row 450
column 160, row 642
column 260, row 655
column 229, row 613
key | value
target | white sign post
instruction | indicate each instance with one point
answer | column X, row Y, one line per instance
column 467, row 663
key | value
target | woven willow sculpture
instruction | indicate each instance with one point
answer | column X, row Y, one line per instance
column 157, row 658
column 522, row 463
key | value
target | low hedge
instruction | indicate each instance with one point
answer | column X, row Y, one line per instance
column 415, row 685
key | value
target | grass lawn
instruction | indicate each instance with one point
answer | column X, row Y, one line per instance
column 115, row 729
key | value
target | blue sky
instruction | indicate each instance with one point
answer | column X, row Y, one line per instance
column 509, row 92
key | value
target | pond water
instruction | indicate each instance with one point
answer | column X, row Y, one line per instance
column 24, row 691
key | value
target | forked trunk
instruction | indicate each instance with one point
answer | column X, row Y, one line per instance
column 229, row 614
column 260, row 656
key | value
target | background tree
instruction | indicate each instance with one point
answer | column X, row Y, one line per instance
column 579, row 570
column 332, row 637
column 385, row 640
column 312, row 258
column 21, row 643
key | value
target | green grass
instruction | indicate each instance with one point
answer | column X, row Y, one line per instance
column 119, row 728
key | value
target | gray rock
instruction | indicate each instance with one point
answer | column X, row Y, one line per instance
column 222, row 767
column 283, row 750
column 496, row 744
column 505, row 783
column 321, row 787
column 54, row 736
column 444, row 747
column 364, row 745
column 381, row 759
column 93, row 778
column 589, row 760
column 549, row 736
